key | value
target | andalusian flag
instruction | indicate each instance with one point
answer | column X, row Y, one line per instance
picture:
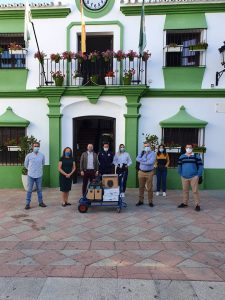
column 83, row 30
column 142, row 37
column 27, row 23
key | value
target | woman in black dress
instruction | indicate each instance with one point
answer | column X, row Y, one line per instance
column 66, row 168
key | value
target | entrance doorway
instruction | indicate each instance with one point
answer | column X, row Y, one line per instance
column 92, row 130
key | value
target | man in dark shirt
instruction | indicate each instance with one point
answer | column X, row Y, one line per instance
column 105, row 159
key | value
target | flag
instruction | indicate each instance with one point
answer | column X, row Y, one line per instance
column 83, row 30
column 27, row 23
column 142, row 36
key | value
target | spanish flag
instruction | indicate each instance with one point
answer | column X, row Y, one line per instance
column 83, row 30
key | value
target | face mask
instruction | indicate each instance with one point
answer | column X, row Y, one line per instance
column 189, row 150
column 122, row 149
column 147, row 149
column 36, row 149
column 106, row 149
column 90, row 150
column 67, row 154
column 161, row 150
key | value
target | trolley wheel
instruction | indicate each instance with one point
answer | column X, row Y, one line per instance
column 83, row 208
column 118, row 209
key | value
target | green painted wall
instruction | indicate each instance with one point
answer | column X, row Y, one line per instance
column 10, row 177
column 183, row 77
column 13, row 79
column 185, row 21
column 214, row 179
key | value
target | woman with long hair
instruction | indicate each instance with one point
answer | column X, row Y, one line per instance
column 161, row 164
column 66, row 169
column 122, row 161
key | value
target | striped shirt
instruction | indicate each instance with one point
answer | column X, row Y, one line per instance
column 190, row 166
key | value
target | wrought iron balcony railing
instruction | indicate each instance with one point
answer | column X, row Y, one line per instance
column 98, row 72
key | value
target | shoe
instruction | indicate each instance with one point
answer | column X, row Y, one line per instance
column 182, row 205
column 27, row 206
column 197, row 208
column 139, row 203
column 42, row 204
column 122, row 195
column 151, row 204
column 68, row 204
column 164, row 194
column 63, row 204
column 157, row 193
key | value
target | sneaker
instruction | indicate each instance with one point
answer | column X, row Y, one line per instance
column 197, row 208
column 122, row 195
column 139, row 203
column 63, row 204
column 27, row 206
column 42, row 204
column 182, row 205
column 68, row 203
column 157, row 193
column 151, row 204
column 164, row 194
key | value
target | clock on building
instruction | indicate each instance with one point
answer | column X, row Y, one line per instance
column 95, row 4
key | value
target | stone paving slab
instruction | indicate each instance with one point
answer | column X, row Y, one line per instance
column 159, row 243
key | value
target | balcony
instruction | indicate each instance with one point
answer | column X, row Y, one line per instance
column 75, row 72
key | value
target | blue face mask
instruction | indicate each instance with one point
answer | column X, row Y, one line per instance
column 36, row 149
column 122, row 149
column 147, row 149
column 161, row 150
column 67, row 154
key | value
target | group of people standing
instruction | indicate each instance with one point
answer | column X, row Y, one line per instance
column 190, row 168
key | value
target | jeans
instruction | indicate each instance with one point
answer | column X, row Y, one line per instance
column 30, row 183
column 161, row 174
column 122, row 174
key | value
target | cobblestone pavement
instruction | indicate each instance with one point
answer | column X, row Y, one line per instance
column 159, row 243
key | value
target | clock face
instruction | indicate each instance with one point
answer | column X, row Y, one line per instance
column 95, row 4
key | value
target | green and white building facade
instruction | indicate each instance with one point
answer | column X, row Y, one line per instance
column 174, row 95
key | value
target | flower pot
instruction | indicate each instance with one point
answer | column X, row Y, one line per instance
column 127, row 80
column 16, row 51
column 94, row 79
column 174, row 49
column 59, row 81
column 173, row 149
column 24, row 181
column 13, row 148
column 109, row 80
column 78, row 80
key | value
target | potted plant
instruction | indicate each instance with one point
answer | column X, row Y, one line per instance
column 80, row 57
column 109, row 78
column 12, row 145
column 1, row 50
column 199, row 149
column 26, row 144
column 94, row 79
column 173, row 148
column 15, row 48
column 153, row 140
column 198, row 47
column 146, row 55
column 93, row 56
column 131, row 55
column 173, row 47
column 58, row 78
column 78, row 78
column 107, row 55
column 40, row 55
column 128, row 76
column 55, row 57
column 68, row 55
column 119, row 55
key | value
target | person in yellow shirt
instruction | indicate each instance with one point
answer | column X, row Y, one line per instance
column 161, row 164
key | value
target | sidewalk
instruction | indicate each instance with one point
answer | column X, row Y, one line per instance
column 159, row 243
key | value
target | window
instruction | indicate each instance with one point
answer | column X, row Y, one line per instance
column 9, row 60
column 10, row 136
column 179, row 51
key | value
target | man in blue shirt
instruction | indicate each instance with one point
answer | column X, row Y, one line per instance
column 145, row 174
column 190, row 168
column 34, row 163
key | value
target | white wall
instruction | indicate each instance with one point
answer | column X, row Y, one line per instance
column 73, row 107
column 34, row 110
column 155, row 110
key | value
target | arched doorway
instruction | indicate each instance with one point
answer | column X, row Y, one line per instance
column 92, row 130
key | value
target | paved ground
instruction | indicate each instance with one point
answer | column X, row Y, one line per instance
column 160, row 243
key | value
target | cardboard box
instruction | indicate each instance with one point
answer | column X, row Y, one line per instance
column 91, row 194
column 110, row 180
column 98, row 194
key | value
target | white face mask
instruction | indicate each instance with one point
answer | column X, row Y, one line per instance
column 147, row 149
column 189, row 150
column 106, row 149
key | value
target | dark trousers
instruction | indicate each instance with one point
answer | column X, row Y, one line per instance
column 161, row 174
column 122, row 175
column 88, row 175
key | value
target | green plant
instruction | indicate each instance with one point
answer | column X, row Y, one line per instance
column 12, row 142
column 1, row 50
column 153, row 140
column 26, row 144
column 200, row 149
column 199, row 46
